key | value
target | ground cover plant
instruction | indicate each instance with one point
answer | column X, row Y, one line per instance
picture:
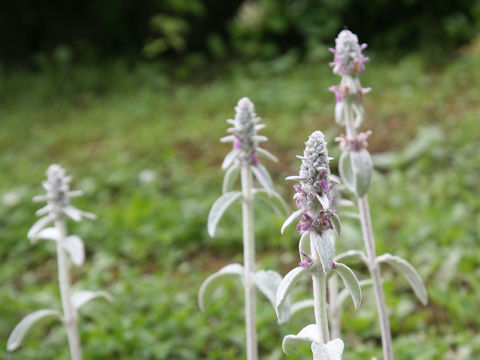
column 137, row 187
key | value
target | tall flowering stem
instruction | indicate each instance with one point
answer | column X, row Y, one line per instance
column 356, row 169
column 58, row 208
column 69, row 312
column 316, row 218
column 243, row 160
column 249, row 262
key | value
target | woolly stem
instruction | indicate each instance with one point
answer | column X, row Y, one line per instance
column 367, row 232
column 319, row 280
column 365, row 219
column 335, row 310
column 333, row 306
column 69, row 313
column 249, row 262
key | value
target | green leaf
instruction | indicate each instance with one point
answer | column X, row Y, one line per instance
column 210, row 284
column 346, row 171
column 324, row 249
column 307, row 335
column 229, row 159
column 284, row 288
column 266, row 154
column 301, row 305
column 362, row 167
column 218, row 209
column 294, row 216
column 351, row 283
column 337, row 225
column 333, row 350
column 409, row 272
column 230, row 177
column 80, row 298
column 352, row 255
column 73, row 245
column 50, row 233
column 345, row 293
column 274, row 200
column 304, row 244
column 263, row 177
column 268, row 281
column 18, row 333
column 39, row 225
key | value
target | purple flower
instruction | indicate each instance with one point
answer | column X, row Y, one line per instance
column 348, row 58
column 323, row 221
column 305, row 222
column 307, row 262
column 244, row 135
column 337, row 91
column 254, row 158
column 354, row 143
column 237, row 143
column 300, row 194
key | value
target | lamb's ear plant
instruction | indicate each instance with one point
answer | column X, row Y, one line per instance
column 53, row 226
column 317, row 218
column 243, row 161
column 356, row 169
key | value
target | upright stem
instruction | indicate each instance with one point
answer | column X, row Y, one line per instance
column 319, row 280
column 335, row 310
column 367, row 231
column 69, row 313
column 249, row 262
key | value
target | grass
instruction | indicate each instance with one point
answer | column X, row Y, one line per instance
column 150, row 247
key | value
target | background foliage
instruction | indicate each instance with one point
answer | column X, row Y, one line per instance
column 144, row 148
column 196, row 30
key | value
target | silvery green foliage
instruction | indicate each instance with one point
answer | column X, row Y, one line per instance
column 332, row 350
column 243, row 160
column 355, row 164
column 356, row 168
column 316, row 218
column 409, row 272
column 58, row 197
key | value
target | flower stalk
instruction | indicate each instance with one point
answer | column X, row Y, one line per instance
column 70, row 317
column 243, row 161
column 249, row 262
column 356, row 168
column 58, row 208
column 317, row 218
column 333, row 306
column 319, row 281
column 349, row 64
column 367, row 232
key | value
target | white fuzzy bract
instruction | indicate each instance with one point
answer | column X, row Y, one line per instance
column 348, row 54
column 244, row 134
column 58, row 196
column 313, row 195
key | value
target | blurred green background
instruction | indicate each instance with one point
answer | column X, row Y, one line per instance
column 132, row 97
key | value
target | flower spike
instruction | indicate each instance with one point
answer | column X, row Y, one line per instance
column 58, row 196
column 244, row 133
column 313, row 195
